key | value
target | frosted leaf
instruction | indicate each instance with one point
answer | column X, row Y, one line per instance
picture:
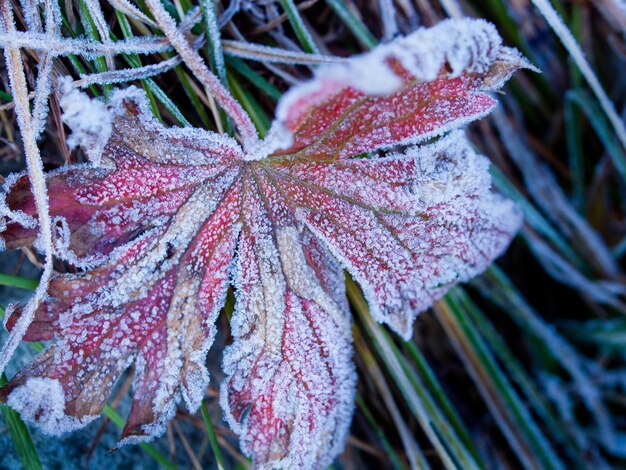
column 152, row 236
column 162, row 220
column 409, row 226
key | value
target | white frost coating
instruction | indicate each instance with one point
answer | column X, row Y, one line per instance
column 436, row 179
column 89, row 119
column 447, row 227
column 301, row 278
column 82, row 47
column 131, row 93
column 160, row 144
column 291, row 349
column 131, row 10
column 8, row 312
column 465, row 45
column 42, row 401
column 277, row 138
column 269, row 54
column 127, row 75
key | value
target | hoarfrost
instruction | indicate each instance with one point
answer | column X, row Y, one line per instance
column 88, row 118
column 42, row 401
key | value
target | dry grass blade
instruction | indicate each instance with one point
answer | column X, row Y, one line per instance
column 414, row 455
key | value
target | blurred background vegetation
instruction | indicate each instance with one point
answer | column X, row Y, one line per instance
column 522, row 368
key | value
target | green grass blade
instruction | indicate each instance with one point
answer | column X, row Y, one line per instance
column 22, row 443
column 620, row 248
column 380, row 433
column 90, row 29
column 214, row 43
column 192, row 95
column 210, row 430
column 450, row 449
column 573, row 139
column 20, row 282
column 502, row 292
column 152, row 89
column 530, row 390
column 414, row 454
column 260, row 119
column 216, row 53
column 254, row 78
column 440, row 397
column 553, row 19
column 601, row 126
column 608, row 334
column 297, row 23
column 516, row 422
column 6, row 97
column 356, row 26
column 535, row 219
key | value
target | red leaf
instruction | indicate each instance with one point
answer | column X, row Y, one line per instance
column 156, row 226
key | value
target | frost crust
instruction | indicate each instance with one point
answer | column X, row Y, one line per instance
column 89, row 120
column 42, row 401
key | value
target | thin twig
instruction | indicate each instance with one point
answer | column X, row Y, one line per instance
column 44, row 70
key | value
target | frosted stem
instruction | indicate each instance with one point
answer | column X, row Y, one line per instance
column 82, row 47
column 124, row 6
column 95, row 10
column 19, row 89
column 45, row 69
column 193, row 60
column 389, row 18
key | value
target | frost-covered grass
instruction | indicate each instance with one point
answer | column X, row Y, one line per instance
column 525, row 366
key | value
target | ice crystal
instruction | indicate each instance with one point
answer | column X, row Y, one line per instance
column 163, row 220
column 88, row 119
